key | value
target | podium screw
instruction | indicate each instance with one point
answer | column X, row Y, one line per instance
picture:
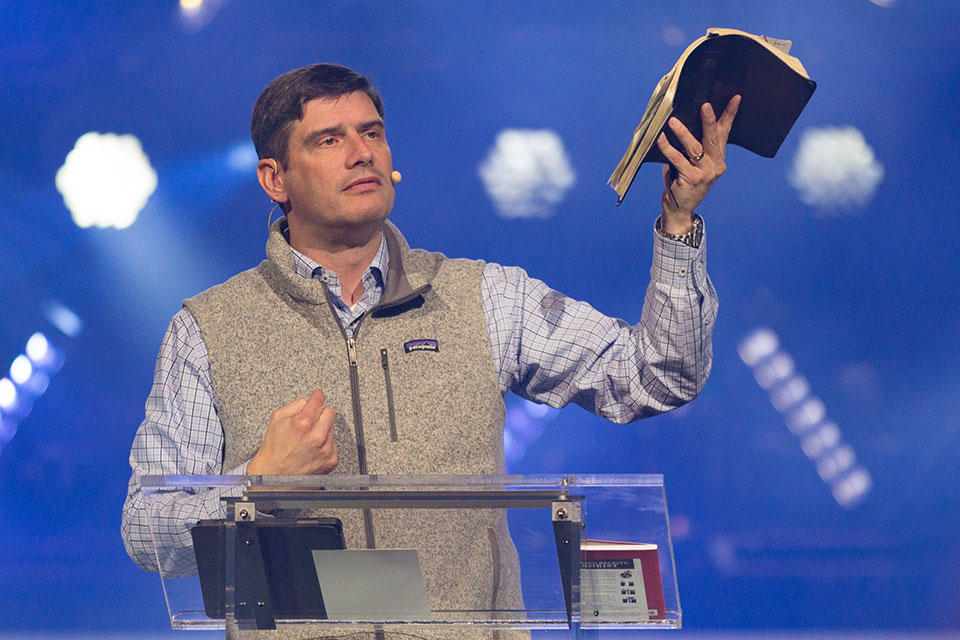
column 561, row 513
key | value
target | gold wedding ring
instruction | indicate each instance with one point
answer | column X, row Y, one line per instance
column 697, row 158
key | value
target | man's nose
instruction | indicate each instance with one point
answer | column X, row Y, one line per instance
column 359, row 151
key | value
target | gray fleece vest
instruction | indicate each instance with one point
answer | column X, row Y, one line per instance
column 402, row 406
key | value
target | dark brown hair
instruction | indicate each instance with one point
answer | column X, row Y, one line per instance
column 280, row 105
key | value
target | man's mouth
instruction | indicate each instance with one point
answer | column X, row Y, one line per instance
column 365, row 181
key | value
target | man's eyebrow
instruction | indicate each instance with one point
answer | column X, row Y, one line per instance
column 371, row 124
column 339, row 129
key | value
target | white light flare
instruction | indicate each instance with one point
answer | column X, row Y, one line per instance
column 526, row 173
column 63, row 318
column 774, row 370
column 835, row 462
column 21, row 369
column 38, row 348
column 757, row 346
column 789, row 393
column 852, row 488
column 835, row 170
column 809, row 414
column 825, row 437
column 106, row 180
column 8, row 394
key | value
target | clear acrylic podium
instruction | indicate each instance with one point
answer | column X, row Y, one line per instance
column 445, row 519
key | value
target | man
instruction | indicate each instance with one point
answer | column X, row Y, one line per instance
column 346, row 351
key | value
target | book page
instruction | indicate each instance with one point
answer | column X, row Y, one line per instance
column 613, row 591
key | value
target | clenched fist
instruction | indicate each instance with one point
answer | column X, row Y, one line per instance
column 299, row 440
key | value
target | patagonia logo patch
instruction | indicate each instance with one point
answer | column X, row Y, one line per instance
column 421, row 345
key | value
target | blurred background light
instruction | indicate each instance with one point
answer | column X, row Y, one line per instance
column 789, row 393
column 774, row 370
column 63, row 318
column 526, row 173
column 805, row 416
column 242, row 157
column 758, row 345
column 835, row 462
column 823, row 438
column 809, row 414
column 38, row 348
column 853, row 487
column 8, row 394
column 835, row 170
column 21, row 369
column 106, row 180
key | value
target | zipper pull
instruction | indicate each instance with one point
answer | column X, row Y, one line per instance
column 352, row 351
column 383, row 358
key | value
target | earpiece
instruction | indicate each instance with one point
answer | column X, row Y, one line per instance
column 275, row 168
column 395, row 177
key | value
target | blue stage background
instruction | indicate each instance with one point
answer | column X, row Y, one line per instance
column 863, row 297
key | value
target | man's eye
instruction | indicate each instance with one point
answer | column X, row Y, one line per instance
column 326, row 142
column 373, row 135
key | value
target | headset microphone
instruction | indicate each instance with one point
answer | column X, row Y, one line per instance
column 395, row 177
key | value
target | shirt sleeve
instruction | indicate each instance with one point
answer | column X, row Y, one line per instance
column 553, row 350
column 181, row 434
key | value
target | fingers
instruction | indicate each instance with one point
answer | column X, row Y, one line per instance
column 716, row 132
column 711, row 135
column 729, row 113
column 674, row 157
column 289, row 410
column 690, row 144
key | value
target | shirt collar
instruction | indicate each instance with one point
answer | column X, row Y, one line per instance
column 307, row 268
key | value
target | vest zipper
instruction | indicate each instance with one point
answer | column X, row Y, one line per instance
column 357, row 416
column 391, row 410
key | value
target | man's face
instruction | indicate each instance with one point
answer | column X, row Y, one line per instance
column 339, row 164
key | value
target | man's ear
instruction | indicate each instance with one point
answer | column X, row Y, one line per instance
column 271, row 179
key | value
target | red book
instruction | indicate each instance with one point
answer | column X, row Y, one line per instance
column 620, row 582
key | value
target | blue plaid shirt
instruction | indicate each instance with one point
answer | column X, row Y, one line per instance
column 548, row 349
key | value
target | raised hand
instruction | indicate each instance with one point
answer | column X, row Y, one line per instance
column 697, row 168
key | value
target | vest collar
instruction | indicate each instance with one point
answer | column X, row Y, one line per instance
column 402, row 285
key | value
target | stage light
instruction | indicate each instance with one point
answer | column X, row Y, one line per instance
column 850, row 489
column 823, row 438
column 21, row 369
column 835, row 462
column 760, row 344
column 8, row 394
column 835, row 170
column 106, row 180
column 38, row 348
column 526, row 173
column 29, row 378
column 807, row 415
column 191, row 5
column 37, row 384
column 774, row 370
column 63, row 318
column 242, row 156
column 789, row 393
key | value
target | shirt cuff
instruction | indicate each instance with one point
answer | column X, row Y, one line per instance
column 676, row 264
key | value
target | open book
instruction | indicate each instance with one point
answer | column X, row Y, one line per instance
column 774, row 85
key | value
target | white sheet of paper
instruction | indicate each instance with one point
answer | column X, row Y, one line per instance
column 372, row 585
